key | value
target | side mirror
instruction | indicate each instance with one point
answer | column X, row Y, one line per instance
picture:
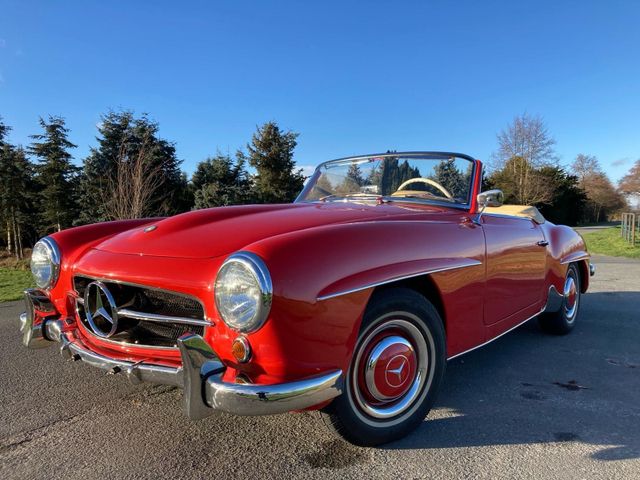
column 490, row 198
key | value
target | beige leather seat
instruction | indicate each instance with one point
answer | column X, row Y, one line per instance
column 526, row 211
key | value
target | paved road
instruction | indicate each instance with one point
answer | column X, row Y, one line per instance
column 526, row 406
column 596, row 228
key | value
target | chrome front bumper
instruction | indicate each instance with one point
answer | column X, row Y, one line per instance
column 200, row 375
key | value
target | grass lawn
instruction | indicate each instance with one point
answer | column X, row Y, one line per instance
column 13, row 282
column 609, row 242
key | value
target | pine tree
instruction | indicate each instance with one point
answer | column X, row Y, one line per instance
column 132, row 172
column 56, row 175
column 271, row 154
column 218, row 181
column 355, row 175
column 16, row 185
column 453, row 180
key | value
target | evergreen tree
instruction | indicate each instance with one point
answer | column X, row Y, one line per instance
column 453, row 180
column 354, row 174
column 56, row 175
column 132, row 172
column 569, row 200
column 16, row 187
column 217, row 181
column 271, row 154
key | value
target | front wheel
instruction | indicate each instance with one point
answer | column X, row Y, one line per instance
column 395, row 373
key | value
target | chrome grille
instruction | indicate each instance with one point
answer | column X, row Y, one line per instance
column 147, row 316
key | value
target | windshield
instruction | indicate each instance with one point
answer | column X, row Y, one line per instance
column 429, row 178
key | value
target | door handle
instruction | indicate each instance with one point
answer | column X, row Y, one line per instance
column 542, row 243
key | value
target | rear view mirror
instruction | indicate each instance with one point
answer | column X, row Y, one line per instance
column 491, row 198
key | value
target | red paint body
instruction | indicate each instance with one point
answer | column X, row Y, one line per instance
column 318, row 249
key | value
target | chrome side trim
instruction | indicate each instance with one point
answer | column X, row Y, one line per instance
column 571, row 259
column 153, row 317
column 495, row 338
column 592, row 269
column 468, row 263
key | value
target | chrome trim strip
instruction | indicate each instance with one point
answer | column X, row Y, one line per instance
column 153, row 317
column 495, row 338
column 120, row 344
column 570, row 259
column 138, row 285
column 470, row 263
column 592, row 269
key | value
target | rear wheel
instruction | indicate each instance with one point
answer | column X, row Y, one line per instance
column 563, row 321
column 395, row 372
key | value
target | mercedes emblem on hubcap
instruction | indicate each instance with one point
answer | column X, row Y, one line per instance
column 101, row 309
column 397, row 372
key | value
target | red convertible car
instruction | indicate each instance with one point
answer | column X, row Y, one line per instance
column 349, row 301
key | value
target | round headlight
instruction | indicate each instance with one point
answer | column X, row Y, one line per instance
column 243, row 292
column 45, row 263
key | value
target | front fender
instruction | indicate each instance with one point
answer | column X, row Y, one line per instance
column 74, row 242
column 323, row 279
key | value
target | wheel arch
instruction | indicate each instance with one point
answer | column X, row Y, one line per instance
column 425, row 286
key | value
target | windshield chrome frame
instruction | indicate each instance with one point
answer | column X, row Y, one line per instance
column 425, row 155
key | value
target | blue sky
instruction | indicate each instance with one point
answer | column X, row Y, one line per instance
column 350, row 77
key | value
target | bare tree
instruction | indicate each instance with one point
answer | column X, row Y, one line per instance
column 585, row 166
column 137, row 180
column 602, row 196
column 524, row 147
column 526, row 137
column 630, row 183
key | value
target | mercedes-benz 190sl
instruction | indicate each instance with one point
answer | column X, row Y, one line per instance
column 349, row 301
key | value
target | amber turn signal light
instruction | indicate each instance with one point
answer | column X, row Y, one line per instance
column 241, row 349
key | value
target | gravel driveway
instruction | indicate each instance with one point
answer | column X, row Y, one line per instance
column 526, row 406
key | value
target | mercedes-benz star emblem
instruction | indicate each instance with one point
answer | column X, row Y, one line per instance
column 394, row 376
column 101, row 309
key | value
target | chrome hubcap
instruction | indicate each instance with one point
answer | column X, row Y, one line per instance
column 389, row 369
column 392, row 365
column 571, row 296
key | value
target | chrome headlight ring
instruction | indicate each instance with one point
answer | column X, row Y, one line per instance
column 243, row 292
column 45, row 263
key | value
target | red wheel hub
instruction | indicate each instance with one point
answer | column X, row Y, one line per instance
column 389, row 368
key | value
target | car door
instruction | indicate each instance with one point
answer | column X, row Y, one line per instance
column 515, row 268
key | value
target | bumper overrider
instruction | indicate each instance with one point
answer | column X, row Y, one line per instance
column 200, row 375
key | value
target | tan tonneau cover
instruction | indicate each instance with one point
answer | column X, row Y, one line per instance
column 526, row 211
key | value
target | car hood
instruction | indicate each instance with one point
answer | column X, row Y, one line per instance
column 220, row 231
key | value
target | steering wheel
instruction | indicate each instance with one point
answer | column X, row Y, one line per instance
column 428, row 181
